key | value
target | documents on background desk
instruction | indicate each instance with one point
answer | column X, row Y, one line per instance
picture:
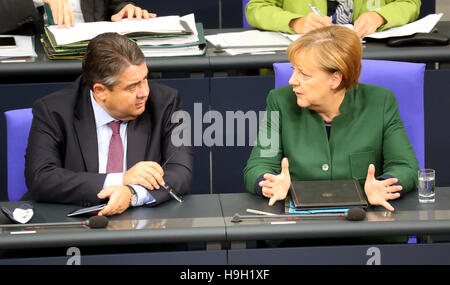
column 252, row 41
column 424, row 25
column 170, row 31
column 23, row 52
column 186, row 45
column 256, row 41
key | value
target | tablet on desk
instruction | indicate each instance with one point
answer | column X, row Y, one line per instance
column 327, row 194
column 87, row 211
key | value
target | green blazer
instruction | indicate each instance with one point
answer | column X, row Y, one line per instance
column 275, row 15
column 368, row 130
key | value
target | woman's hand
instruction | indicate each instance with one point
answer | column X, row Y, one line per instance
column 276, row 187
column 368, row 23
column 310, row 22
column 378, row 192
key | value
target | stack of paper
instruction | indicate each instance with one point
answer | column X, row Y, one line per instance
column 71, row 43
column 24, row 50
column 253, row 41
column 182, row 45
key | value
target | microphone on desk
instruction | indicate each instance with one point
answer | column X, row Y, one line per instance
column 354, row 214
column 94, row 222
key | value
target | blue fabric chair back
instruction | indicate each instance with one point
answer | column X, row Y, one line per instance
column 18, row 124
column 244, row 19
column 405, row 79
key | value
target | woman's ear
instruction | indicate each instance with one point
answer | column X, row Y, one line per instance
column 335, row 79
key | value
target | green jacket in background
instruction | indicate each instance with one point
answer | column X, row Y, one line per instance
column 368, row 130
column 275, row 15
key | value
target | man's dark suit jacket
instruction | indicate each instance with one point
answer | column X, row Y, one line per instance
column 61, row 161
column 21, row 17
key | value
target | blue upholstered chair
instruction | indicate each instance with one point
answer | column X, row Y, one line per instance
column 244, row 19
column 403, row 78
column 18, row 123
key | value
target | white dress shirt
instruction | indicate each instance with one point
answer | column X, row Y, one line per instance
column 104, row 133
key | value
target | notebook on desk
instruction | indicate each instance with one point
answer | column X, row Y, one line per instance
column 326, row 195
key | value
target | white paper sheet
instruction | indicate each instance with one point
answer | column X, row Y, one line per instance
column 24, row 48
column 424, row 25
column 190, row 20
column 249, row 39
column 87, row 31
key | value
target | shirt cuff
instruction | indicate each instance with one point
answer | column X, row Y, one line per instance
column 113, row 179
column 258, row 189
column 144, row 196
column 387, row 176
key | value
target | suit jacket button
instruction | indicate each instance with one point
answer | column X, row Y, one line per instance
column 325, row 167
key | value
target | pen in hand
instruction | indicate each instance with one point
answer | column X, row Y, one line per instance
column 314, row 9
column 171, row 192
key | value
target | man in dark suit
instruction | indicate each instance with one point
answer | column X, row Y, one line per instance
column 25, row 16
column 71, row 157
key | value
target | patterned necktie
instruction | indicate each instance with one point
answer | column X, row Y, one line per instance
column 344, row 12
column 115, row 152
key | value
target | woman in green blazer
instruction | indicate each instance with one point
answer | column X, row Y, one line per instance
column 326, row 126
column 296, row 17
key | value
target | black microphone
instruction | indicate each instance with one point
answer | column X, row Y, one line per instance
column 94, row 222
column 354, row 214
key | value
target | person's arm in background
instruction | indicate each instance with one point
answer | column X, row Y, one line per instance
column 394, row 13
column 15, row 14
column 269, row 15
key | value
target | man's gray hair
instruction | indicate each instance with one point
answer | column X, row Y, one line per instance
column 107, row 56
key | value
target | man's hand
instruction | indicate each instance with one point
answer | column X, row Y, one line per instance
column 276, row 187
column 62, row 12
column 119, row 199
column 378, row 192
column 310, row 22
column 130, row 11
column 146, row 173
column 368, row 23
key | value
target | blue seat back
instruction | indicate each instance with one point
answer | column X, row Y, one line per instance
column 244, row 18
column 18, row 124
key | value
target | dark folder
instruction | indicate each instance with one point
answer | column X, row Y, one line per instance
column 326, row 194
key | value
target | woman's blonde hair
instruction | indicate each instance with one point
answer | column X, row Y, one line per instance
column 336, row 48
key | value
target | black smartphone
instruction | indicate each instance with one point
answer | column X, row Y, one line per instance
column 7, row 42
column 87, row 211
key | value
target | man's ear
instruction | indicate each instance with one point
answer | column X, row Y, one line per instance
column 335, row 79
column 99, row 91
